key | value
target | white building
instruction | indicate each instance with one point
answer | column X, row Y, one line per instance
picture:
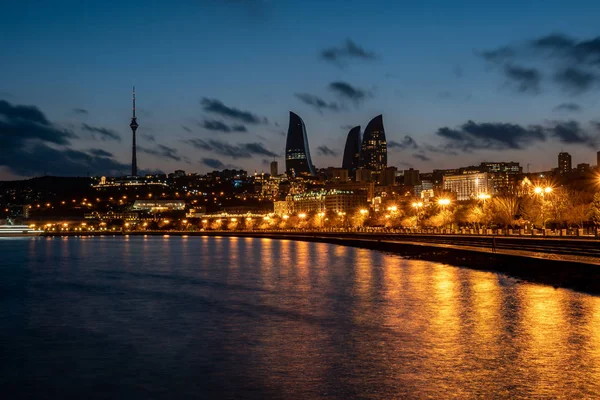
column 468, row 186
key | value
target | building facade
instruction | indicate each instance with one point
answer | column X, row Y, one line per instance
column 352, row 151
column 297, row 153
column 373, row 151
column 468, row 186
column 564, row 163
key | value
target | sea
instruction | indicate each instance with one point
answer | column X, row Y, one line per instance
column 155, row 317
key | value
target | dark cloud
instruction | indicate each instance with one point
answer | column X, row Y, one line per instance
column 104, row 133
column 22, row 124
column 317, row 103
column 185, row 128
column 503, row 136
column 570, row 132
column 575, row 80
column 326, row 151
column 81, row 111
column 213, row 163
column 148, row 137
column 217, row 107
column 348, row 51
column 407, row 143
column 100, row 153
column 161, row 151
column 240, row 150
column 490, row 136
column 345, row 90
column 568, row 107
column 421, row 156
column 526, row 80
column 218, row 126
column 574, row 64
column 31, row 145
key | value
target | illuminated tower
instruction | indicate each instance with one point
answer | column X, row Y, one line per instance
column 373, row 152
column 133, row 125
column 297, row 153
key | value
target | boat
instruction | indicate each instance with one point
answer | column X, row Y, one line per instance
column 12, row 230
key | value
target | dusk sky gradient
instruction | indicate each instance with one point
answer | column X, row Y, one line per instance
column 217, row 73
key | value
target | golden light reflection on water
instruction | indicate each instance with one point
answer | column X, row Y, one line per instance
column 313, row 316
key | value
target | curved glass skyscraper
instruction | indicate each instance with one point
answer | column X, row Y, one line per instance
column 297, row 153
column 352, row 151
column 373, row 151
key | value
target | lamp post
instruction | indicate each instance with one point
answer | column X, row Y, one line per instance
column 321, row 215
column 542, row 191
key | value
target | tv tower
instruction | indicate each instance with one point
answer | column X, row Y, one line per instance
column 133, row 125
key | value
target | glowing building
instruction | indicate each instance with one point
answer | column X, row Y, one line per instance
column 297, row 152
column 373, row 152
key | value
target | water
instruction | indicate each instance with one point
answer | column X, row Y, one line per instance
column 221, row 318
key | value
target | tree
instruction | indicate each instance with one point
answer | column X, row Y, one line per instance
column 594, row 210
column 503, row 210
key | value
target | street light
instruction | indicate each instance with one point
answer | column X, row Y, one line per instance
column 541, row 191
column 417, row 205
column 364, row 211
column 444, row 203
column 301, row 215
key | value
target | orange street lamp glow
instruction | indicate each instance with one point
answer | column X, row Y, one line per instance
column 301, row 215
column 444, row 202
column 284, row 217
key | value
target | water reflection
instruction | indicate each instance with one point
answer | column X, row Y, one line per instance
column 257, row 318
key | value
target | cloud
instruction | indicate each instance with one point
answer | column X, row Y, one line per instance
column 526, row 80
column 570, row 132
column 81, row 111
column 185, row 128
column 504, row 136
column 345, row 90
column 574, row 64
column 326, row 151
column 421, row 156
column 32, row 145
column 491, row 136
column 317, row 103
column 213, row 163
column 567, row 107
column 217, row 107
column 148, row 137
column 348, row 51
column 161, row 151
column 575, row 80
column 218, row 126
column 407, row 143
column 105, row 134
column 100, row 153
column 21, row 124
column 240, row 150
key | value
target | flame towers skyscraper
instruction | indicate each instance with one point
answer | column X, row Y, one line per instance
column 297, row 153
column 133, row 125
column 373, row 152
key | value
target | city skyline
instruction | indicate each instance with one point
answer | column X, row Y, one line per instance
column 523, row 90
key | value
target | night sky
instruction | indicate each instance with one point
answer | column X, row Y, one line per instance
column 457, row 82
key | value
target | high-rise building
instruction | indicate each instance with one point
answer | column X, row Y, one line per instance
column 133, row 125
column 387, row 176
column 564, row 163
column 411, row 177
column 598, row 160
column 373, row 151
column 274, row 168
column 297, row 152
column 352, row 151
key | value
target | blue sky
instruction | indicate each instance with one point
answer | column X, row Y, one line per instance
column 424, row 70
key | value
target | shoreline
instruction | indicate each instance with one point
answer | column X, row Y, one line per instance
column 579, row 276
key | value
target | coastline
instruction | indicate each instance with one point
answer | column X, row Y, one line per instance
column 559, row 273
